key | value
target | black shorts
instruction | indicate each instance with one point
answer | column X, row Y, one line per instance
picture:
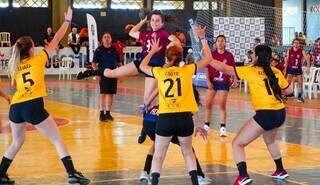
column 32, row 111
column 108, row 85
column 155, row 63
column 149, row 127
column 175, row 124
column 270, row 119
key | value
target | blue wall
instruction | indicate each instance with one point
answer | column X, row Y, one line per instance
column 313, row 20
column 292, row 14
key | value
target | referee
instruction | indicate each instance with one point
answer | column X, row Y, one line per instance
column 105, row 57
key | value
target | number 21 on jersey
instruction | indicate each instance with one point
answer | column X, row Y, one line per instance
column 171, row 91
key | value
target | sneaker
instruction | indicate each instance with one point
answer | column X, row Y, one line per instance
column 204, row 180
column 108, row 117
column 280, row 174
column 102, row 117
column 144, row 177
column 301, row 100
column 5, row 180
column 242, row 180
column 142, row 137
column 223, row 132
column 87, row 73
column 77, row 178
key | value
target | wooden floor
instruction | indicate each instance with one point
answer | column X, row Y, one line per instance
column 108, row 152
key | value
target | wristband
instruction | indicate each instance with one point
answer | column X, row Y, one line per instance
column 203, row 38
column 68, row 21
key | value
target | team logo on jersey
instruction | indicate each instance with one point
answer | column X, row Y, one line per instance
column 298, row 56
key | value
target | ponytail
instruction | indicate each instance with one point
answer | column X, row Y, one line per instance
column 264, row 54
column 14, row 62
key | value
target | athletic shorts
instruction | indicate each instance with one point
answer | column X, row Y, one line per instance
column 295, row 72
column 32, row 111
column 155, row 62
column 108, row 85
column 175, row 124
column 221, row 86
column 270, row 119
column 149, row 127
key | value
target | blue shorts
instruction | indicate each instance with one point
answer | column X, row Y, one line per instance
column 221, row 86
column 32, row 111
column 293, row 71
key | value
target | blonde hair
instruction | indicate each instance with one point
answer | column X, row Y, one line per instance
column 20, row 51
column 14, row 62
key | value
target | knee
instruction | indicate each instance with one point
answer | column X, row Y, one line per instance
column 237, row 143
column 209, row 106
column 18, row 141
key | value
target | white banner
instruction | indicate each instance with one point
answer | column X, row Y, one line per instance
column 52, row 67
column 93, row 35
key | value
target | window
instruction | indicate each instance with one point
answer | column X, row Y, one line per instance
column 4, row 3
column 200, row 5
column 126, row 4
column 168, row 5
column 204, row 5
column 89, row 4
column 30, row 3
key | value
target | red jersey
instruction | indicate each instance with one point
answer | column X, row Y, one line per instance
column 217, row 76
column 295, row 59
column 146, row 38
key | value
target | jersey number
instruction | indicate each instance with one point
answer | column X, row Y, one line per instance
column 266, row 83
column 26, row 80
column 168, row 93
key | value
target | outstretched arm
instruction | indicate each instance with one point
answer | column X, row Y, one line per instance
column 134, row 32
column 60, row 33
column 144, row 64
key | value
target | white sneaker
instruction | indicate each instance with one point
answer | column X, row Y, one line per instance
column 223, row 132
column 204, row 181
column 206, row 127
column 144, row 177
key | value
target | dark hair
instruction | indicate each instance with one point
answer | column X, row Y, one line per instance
column 105, row 33
column 264, row 54
column 166, row 18
column 196, row 94
column 174, row 53
column 221, row 36
column 24, row 44
column 296, row 39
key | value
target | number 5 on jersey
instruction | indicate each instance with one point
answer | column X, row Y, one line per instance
column 26, row 79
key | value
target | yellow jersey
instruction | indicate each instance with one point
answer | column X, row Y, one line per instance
column 261, row 93
column 30, row 78
column 175, row 89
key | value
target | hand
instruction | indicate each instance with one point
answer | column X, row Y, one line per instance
column 155, row 46
column 68, row 14
column 234, row 84
column 209, row 86
column 143, row 21
column 142, row 109
column 203, row 132
column 199, row 31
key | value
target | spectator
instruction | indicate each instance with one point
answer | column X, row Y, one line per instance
column 302, row 38
column 316, row 53
column 48, row 37
column 180, row 35
column 275, row 40
column 84, row 37
column 74, row 41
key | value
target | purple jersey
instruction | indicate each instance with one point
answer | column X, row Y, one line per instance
column 316, row 56
column 295, row 59
column 217, row 76
column 146, row 38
